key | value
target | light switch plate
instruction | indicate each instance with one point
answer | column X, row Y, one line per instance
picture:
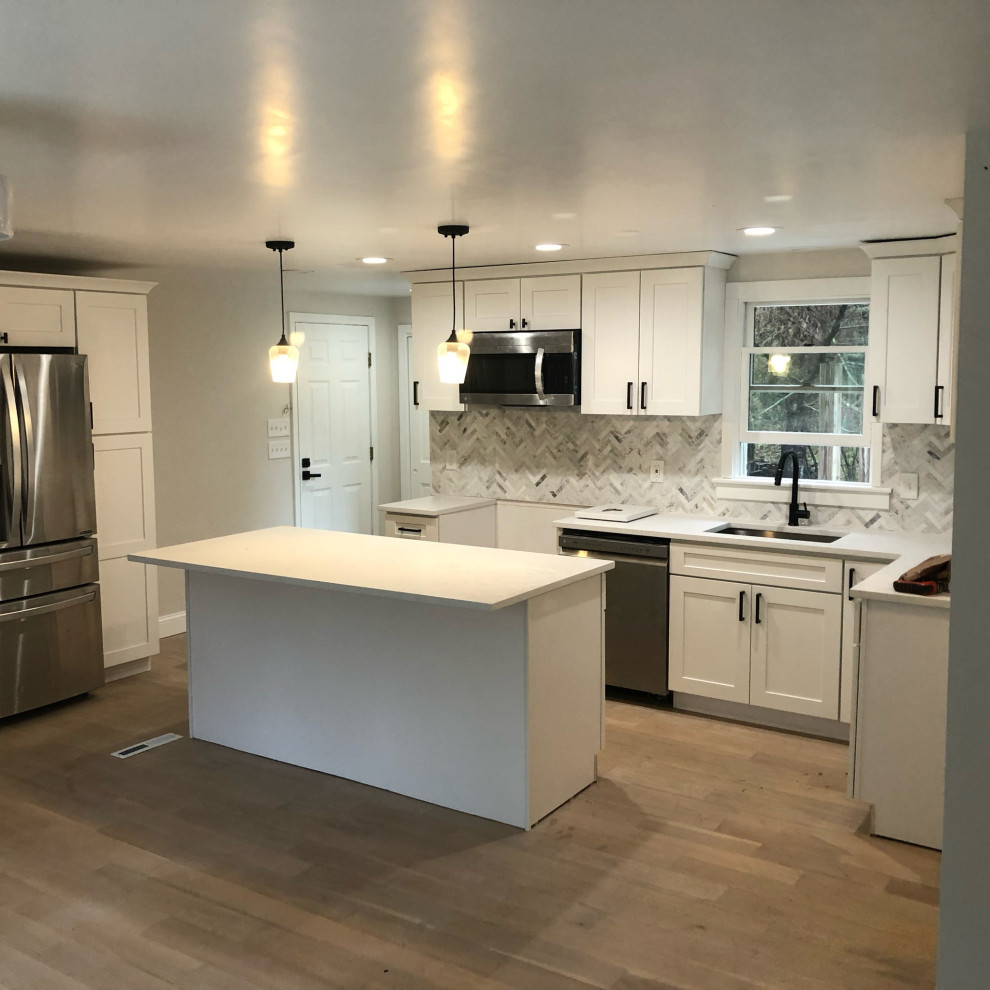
column 278, row 427
column 451, row 461
column 656, row 472
column 908, row 487
column 278, row 449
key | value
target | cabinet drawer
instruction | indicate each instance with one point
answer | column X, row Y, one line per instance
column 781, row 570
column 412, row 527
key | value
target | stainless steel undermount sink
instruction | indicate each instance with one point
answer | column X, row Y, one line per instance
column 776, row 534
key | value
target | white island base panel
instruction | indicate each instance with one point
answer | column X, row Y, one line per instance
column 494, row 713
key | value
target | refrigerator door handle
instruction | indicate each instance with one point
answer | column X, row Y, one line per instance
column 13, row 472
column 47, row 605
column 28, row 452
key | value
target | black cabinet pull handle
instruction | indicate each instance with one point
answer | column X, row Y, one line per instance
column 742, row 599
column 756, row 615
column 642, row 395
column 3, row 337
column 311, row 474
column 629, row 388
column 415, row 393
column 939, row 413
column 524, row 323
column 512, row 324
column 852, row 581
column 876, row 400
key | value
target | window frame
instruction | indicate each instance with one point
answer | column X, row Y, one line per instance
column 741, row 298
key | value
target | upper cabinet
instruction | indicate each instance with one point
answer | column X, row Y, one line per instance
column 652, row 341
column 32, row 317
column 549, row 302
column 432, row 322
column 912, row 330
column 113, row 331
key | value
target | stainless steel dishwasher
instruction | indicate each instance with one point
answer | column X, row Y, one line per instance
column 635, row 605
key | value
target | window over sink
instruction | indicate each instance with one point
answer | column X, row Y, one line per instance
column 798, row 369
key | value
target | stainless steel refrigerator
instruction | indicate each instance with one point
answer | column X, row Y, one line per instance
column 51, row 639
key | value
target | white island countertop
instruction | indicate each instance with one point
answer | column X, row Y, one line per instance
column 439, row 573
column 900, row 551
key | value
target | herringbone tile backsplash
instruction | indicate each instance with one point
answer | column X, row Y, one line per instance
column 562, row 456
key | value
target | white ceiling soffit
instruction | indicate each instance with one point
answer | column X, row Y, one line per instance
column 191, row 131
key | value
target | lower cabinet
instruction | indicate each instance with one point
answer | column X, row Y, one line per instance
column 470, row 527
column 773, row 647
column 129, row 593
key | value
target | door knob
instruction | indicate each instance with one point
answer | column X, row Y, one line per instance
column 306, row 475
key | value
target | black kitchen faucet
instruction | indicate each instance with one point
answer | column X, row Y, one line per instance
column 794, row 514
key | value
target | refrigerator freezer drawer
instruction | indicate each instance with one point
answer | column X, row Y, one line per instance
column 41, row 570
column 51, row 648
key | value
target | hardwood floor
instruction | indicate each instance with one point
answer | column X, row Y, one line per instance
column 709, row 856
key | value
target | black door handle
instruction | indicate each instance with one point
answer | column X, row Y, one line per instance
column 524, row 323
column 756, row 613
column 742, row 598
column 939, row 413
column 311, row 474
column 3, row 337
column 629, row 388
column 512, row 324
column 852, row 581
column 876, row 400
column 415, row 393
column 642, row 395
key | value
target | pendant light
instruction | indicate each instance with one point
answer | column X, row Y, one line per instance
column 6, row 226
column 453, row 353
column 283, row 357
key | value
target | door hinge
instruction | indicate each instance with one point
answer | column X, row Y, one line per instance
column 372, row 449
column 369, row 359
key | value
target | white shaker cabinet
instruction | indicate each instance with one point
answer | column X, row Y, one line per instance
column 855, row 571
column 547, row 302
column 652, row 342
column 112, row 329
column 37, row 317
column 431, row 325
column 912, row 329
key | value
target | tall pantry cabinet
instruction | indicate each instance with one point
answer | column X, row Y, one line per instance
column 108, row 321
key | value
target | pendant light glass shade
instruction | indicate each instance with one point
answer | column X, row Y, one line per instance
column 283, row 358
column 6, row 224
column 453, row 353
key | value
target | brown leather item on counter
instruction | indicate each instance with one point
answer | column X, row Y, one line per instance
column 930, row 577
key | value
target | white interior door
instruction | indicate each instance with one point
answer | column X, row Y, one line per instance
column 333, row 411
column 414, row 424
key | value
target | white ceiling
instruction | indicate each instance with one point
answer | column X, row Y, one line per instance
column 192, row 130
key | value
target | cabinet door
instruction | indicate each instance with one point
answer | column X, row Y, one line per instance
column 125, row 494
column 491, row 304
column 853, row 571
column 610, row 343
column 710, row 638
column 948, row 311
column 113, row 331
column 37, row 317
column 904, row 311
column 431, row 325
column 671, row 342
column 129, row 593
column 795, row 652
column 552, row 302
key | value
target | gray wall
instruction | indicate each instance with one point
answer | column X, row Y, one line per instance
column 212, row 395
column 964, row 922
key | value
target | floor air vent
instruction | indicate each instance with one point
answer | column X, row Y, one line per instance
column 141, row 747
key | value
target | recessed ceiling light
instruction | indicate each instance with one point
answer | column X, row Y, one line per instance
column 759, row 231
column 374, row 261
column 777, row 199
column 549, row 247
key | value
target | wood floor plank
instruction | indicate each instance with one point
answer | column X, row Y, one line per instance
column 709, row 856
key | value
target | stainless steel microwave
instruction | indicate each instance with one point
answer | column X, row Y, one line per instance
column 524, row 368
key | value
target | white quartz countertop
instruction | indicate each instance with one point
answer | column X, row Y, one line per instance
column 438, row 573
column 435, row 505
column 899, row 550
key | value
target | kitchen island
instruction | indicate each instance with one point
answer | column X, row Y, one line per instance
column 468, row 677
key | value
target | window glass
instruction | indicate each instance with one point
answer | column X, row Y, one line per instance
column 828, row 463
column 811, row 326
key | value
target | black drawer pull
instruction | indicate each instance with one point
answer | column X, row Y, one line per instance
column 742, row 599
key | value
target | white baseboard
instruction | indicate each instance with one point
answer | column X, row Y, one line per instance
column 171, row 625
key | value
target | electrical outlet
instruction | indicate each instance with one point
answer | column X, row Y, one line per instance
column 908, row 487
column 451, row 461
column 278, row 427
column 656, row 472
column 278, row 449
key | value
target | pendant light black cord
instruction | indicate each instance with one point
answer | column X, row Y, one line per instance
column 453, row 231
column 281, row 246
